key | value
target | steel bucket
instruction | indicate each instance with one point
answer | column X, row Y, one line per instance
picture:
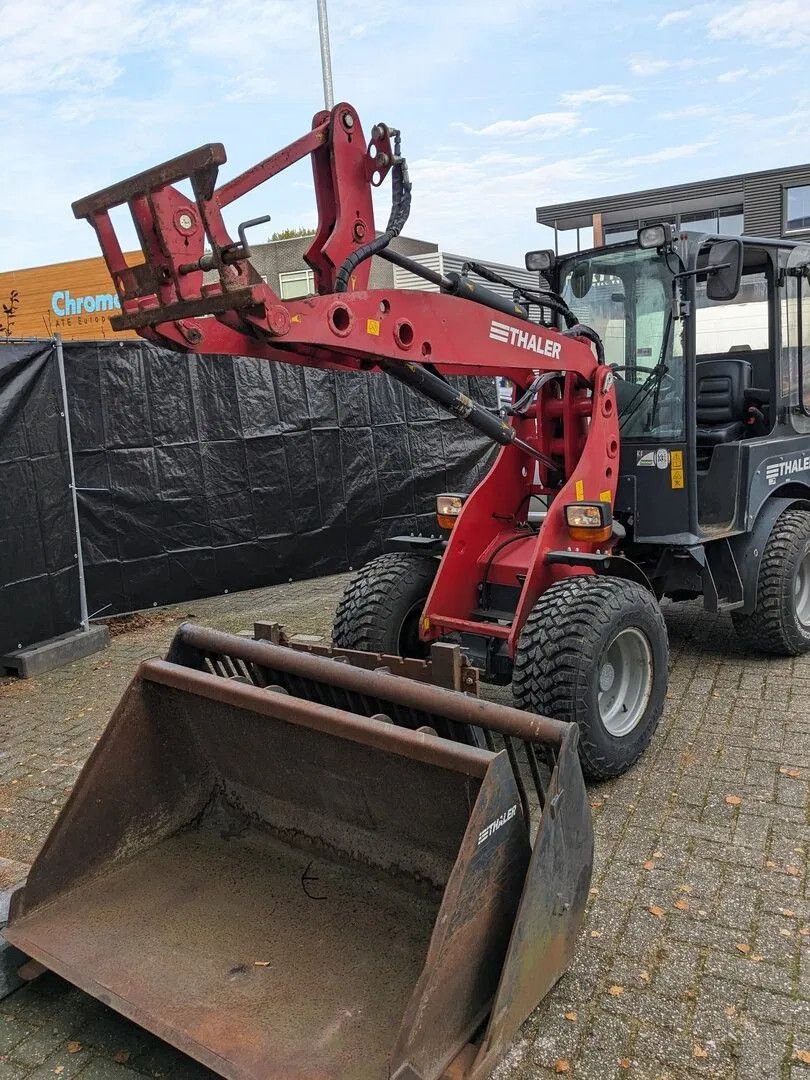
column 258, row 867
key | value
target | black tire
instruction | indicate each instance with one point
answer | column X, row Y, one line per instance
column 382, row 605
column 775, row 626
column 562, row 654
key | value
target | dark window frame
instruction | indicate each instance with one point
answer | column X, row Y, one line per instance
column 785, row 230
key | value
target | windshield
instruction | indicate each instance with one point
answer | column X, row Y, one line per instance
column 626, row 297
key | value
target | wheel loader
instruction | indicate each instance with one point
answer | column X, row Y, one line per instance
column 642, row 455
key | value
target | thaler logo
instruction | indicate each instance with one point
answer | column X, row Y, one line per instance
column 524, row 339
column 778, row 470
column 493, row 826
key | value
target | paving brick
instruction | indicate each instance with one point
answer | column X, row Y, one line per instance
column 731, row 721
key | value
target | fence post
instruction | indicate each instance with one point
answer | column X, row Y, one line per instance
column 60, row 361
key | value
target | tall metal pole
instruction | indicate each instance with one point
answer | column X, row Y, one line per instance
column 60, row 361
column 326, row 56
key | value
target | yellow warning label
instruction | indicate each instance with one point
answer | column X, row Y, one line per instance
column 296, row 318
column 426, row 623
column 580, row 490
column 604, row 496
column 373, row 327
column 676, row 469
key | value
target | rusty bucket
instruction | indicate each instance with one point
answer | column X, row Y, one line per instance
column 259, row 867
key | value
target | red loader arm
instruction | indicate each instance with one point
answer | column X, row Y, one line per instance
column 564, row 441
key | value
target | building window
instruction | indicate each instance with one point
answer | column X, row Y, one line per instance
column 797, row 208
column 296, row 283
column 620, row 232
column 731, row 221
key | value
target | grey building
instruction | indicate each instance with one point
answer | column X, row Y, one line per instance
column 281, row 264
column 775, row 202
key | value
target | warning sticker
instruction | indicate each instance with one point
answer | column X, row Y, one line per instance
column 604, row 496
column 373, row 327
column 662, row 457
column 645, row 458
column 676, row 469
column 580, row 490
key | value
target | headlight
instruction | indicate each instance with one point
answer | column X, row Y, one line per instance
column 592, row 521
column 655, row 236
column 448, row 507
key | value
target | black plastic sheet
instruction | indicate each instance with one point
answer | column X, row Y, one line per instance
column 39, row 582
column 199, row 475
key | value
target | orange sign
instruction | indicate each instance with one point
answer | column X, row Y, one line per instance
column 74, row 299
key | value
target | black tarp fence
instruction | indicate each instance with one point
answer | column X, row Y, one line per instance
column 198, row 475
column 39, row 580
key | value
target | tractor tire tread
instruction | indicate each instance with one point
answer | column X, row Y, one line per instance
column 549, row 674
column 369, row 603
column 769, row 628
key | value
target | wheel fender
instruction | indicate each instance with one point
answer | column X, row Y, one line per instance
column 747, row 547
column 621, row 567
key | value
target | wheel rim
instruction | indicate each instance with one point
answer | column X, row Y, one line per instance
column 625, row 681
column 801, row 592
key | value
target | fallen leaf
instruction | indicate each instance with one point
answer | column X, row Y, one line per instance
column 571, row 1015
column 770, row 864
column 682, row 905
column 787, row 912
column 596, row 803
column 733, row 800
column 756, row 957
column 685, row 888
column 59, row 1070
column 122, row 1057
column 730, row 1010
column 802, row 1055
column 649, row 865
column 794, row 871
column 562, row 1066
column 794, row 774
column 596, row 933
column 616, row 990
column 658, row 854
column 785, row 932
column 625, row 1063
column 73, row 1047
column 699, row 1051
column 804, row 931
column 743, row 948
column 644, row 976
column 261, row 963
column 655, row 910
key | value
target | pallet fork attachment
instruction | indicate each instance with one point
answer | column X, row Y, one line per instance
column 262, row 869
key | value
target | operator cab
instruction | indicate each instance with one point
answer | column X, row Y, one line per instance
column 696, row 329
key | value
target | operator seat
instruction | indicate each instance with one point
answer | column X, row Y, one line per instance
column 722, row 406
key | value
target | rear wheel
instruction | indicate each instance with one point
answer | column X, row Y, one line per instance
column 594, row 652
column 780, row 622
column 382, row 605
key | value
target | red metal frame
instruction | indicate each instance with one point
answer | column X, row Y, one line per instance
column 167, row 300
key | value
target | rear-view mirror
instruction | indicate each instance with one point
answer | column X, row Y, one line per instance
column 724, row 269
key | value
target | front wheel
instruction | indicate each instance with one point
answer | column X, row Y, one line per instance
column 382, row 605
column 594, row 651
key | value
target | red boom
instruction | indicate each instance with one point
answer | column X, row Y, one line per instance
column 170, row 299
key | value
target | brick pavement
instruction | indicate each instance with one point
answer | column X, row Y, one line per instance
column 694, row 961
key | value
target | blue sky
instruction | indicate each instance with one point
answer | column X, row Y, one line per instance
column 503, row 106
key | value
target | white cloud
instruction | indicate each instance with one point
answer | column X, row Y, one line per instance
column 596, row 95
column 668, row 153
column 546, row 125
column 689, row 112
column 678, row 16
column 779, row 23
column 733, row 76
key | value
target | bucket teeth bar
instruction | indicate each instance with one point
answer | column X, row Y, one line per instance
column 258, row 867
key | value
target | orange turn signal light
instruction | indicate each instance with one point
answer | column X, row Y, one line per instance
column 448, row 507
column 591, row 522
